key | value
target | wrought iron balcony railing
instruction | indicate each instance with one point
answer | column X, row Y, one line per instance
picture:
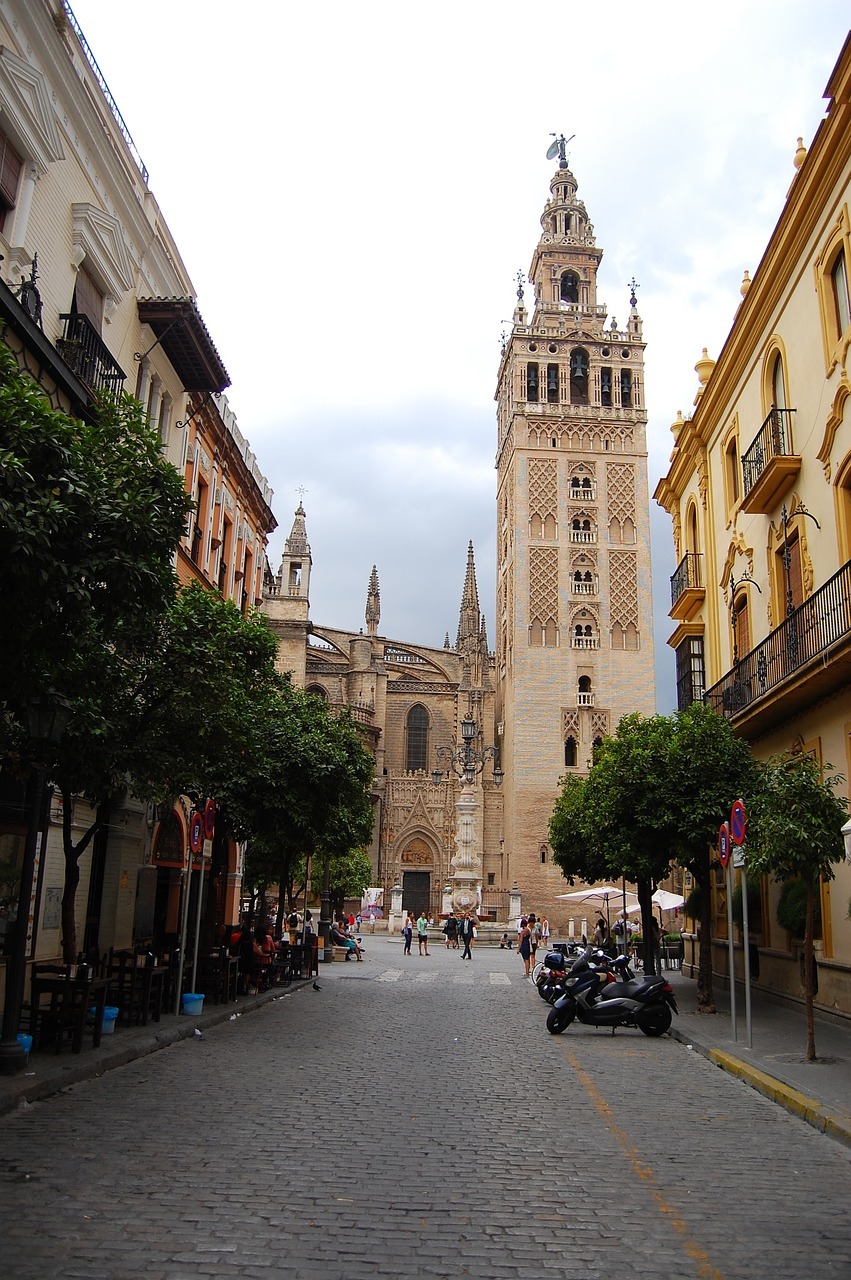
column 809, row 632
column 85, row 354
column 687, row 575
column 773, row 440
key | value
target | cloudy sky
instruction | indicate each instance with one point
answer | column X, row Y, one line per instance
column 353, row 188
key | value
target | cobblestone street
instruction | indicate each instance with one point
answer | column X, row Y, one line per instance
column 414, row 1118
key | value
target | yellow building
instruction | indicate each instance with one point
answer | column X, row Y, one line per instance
column 759, row 489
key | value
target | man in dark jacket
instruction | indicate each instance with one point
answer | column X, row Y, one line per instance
column 465, row 931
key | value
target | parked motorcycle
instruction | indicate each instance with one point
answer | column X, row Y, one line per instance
column 645, row 1003
column 555, row 973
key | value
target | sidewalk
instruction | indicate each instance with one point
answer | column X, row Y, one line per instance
column 819, row 1092
column 49, row 1073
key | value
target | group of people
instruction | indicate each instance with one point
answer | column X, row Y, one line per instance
column 343, row 935
column 455, row 929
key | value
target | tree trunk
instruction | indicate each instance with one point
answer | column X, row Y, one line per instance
column 705, row 994
column 645, row 892
column 808, row 972
column 72, row 854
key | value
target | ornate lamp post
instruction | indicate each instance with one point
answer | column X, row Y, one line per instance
column 46, row 721
column 466, row 762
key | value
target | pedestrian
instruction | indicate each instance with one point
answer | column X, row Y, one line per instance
column 422, row 933
column 358, row 922
column 450, row 929
column 524, row 946
column 601, row 933
column 292, row 925
column 407, row 933
column 534, row 935
column 467, row 932
column 545, row 933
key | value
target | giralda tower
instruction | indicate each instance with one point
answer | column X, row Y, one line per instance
column 574, row 607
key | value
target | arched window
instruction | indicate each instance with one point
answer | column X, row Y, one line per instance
column 532, row 381
column 626, row 388
column 839, row 285
column 569, row 288
column 606, row 388
column 416, row 734
column 570, row 752
column 552, row 384
column 778, row 383
column 578, row 376
column 317, row 691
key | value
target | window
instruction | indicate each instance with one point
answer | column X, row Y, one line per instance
column 778, row 384
column 570, row 753
column 606, row 388
column 10, row 175
column 691, row 680
column 88, row 300
column 569, row 290
column 789, row 576
column 579, row 376
column 552, row 384
column 732, row 472
column 626, row 388
column 741, row 625
column 839, row 285
column 416, row 732
column 532, row 381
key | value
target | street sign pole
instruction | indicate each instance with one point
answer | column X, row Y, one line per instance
column 747, row 955
column 724, row 859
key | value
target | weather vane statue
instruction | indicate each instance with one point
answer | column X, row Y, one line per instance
column 559, row 148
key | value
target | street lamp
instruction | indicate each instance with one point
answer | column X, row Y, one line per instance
column 46, row 720
column 467, row 761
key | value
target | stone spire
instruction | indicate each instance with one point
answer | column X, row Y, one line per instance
column 294, row 573
column 468, row 621
column 373, row 604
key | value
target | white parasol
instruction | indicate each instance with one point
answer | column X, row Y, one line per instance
column 600, row 897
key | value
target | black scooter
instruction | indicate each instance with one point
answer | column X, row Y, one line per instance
column 645, row 1003
column 557, row 973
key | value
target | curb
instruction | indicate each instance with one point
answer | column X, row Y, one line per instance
column 792, row 1100
column 20, row 1092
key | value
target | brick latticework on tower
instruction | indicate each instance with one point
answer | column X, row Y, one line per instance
column 574, row 611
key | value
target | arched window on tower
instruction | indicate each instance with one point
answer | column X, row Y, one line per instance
column 578, row 376
column 532, row 381
column 570, row 752
column 626, row 388
column 569, row 285
column 552, row 384
column 416, row 739
column 606, row 388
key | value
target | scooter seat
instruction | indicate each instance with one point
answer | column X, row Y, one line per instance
column 619, row 990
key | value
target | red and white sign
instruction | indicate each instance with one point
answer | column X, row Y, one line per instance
column 724, row 843
column 738, row 822
column 196, row 833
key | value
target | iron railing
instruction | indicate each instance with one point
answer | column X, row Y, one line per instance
column 773, row 440
column 687, row 574
column 822, row 620
column 85, row 354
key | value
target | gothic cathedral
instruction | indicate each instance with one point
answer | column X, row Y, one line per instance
column 574, row 626
column 574, row 608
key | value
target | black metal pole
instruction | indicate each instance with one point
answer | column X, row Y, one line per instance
column 12, row 1055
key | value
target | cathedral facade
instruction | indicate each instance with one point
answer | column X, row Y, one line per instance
column 574, row 646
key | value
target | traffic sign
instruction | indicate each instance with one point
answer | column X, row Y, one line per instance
column 738, row 856
column 738, row 822
column 196, row 833
column 210, row 819
column 724, row 843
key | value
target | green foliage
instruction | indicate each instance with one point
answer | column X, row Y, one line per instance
column 792, row 908
column 692, row 906
column 795, row 828
column 754, row 905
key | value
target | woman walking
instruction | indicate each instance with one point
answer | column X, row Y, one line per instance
column 408, row 933
column 524, row 948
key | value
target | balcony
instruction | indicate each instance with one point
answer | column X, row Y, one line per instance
column 584, row 699
column 85, row 354
column 769, row 467
column 807, row 657
column 584, row 642
column 583, row 535
column 583, row 588
column 687, row 589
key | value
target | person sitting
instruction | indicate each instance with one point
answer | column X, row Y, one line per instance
column 505, row 943
column 340, row 939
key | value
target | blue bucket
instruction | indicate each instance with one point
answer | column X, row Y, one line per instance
column 26, row 1042
column 191, row 1004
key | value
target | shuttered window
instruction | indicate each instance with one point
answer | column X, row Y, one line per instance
column 10, row 173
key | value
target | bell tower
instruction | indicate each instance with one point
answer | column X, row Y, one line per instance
column 574, row 607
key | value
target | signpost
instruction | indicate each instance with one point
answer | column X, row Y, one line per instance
column 738, row 827
column 724, row 859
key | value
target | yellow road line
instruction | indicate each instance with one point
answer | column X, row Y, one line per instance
column 643, row 1171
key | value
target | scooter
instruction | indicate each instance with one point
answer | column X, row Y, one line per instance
column 554, row 975
column 645, row 1003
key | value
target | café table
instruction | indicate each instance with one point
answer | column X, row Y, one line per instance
column 66, row 1008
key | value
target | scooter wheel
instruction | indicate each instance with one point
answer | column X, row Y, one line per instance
column 656, row 1021
column 544, row 990
column 559, row 1020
